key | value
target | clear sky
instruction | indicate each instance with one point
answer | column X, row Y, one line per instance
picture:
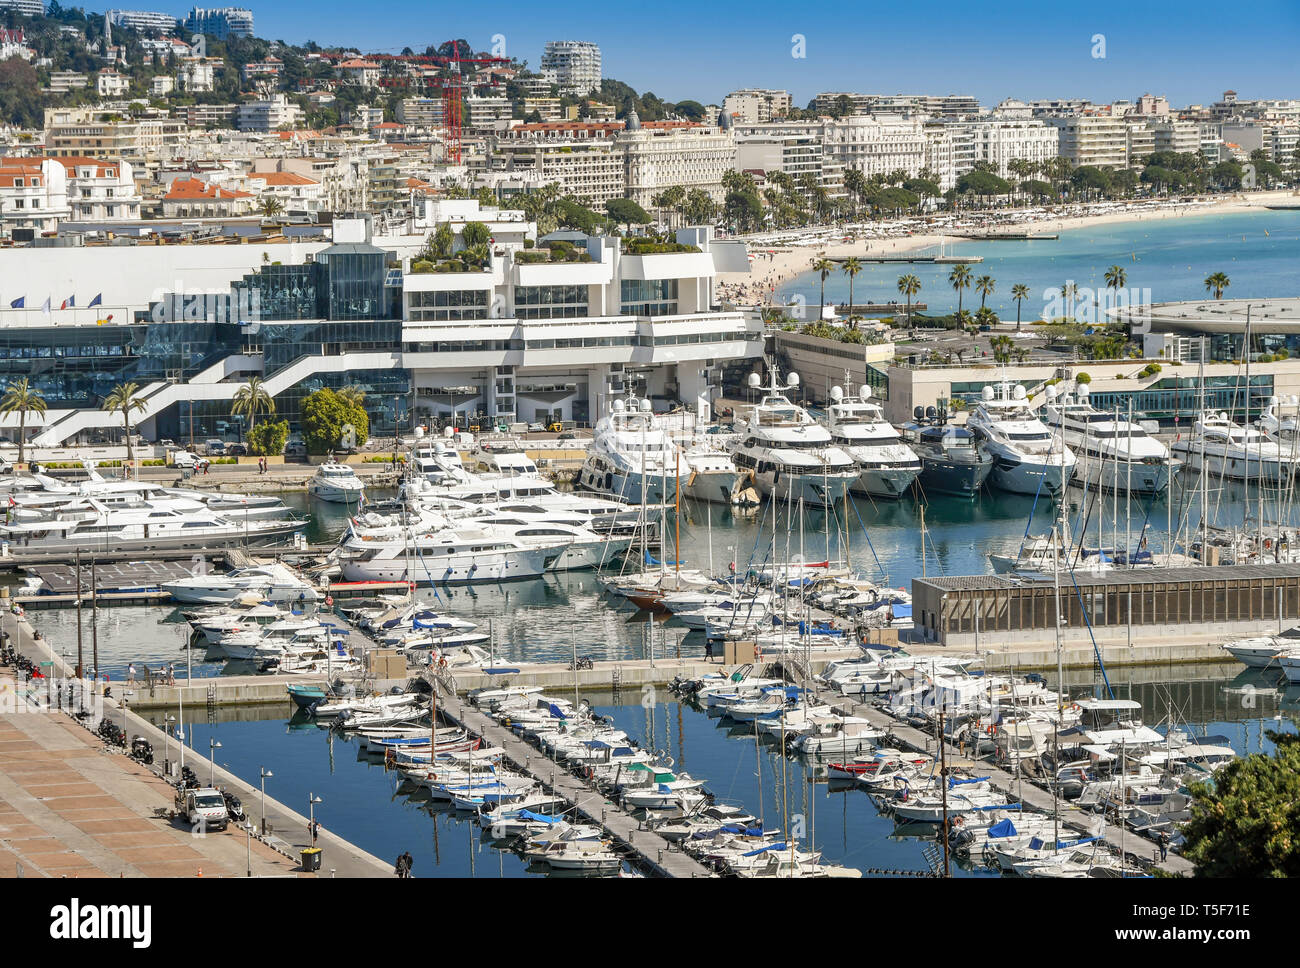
column 1190, row 51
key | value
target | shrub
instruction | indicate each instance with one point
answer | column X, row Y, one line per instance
column 1083, row 378
column 268, row 438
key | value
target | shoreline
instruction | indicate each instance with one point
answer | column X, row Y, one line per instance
column 775, row 266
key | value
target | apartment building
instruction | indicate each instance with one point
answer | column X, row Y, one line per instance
column 195, row 198
column 484, row 112
column 660, row 156
column 220, row 22
column 294, row 192
column 594, row 170
column 33, row 195
column 269, row 114
column 757, row 106
column 1175, row 135
column 796, row 155
column 575, row 64
column 109, row 83
column 1139, row 141
column 421, row 111
column 62, row 82
column 198, row 75
column 1000, row 141
column 96, row 133
column 1092, row 140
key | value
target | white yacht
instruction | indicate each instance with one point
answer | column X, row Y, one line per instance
column 710, row 473
column 92, row 525
column 1114, row 453
column 272, row 583
column 1280, row 419
column 1227, row 450
column 337, row 483
column 1027, row 457
column 42, row 493
column 435, row 551
column 788, row 454
column 631, row 457
column 858, row 426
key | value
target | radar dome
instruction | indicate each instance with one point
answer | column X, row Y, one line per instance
column 645, row 406
column 618, row 406
column 837, row 394
column 1019, row 392
column 1051, row 392
column 866, row 393
column 753, row 379
column 1083, row 390
column 986, row 394
column 793, row 379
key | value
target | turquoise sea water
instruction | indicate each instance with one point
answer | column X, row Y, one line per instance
column 1259, row 251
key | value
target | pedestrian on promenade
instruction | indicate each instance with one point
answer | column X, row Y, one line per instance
column 130, row 674
column 171, row 673
column 314, row 827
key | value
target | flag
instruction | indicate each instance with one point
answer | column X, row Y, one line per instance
column 45, row 307
column 69, row 303
column 97, row 301
column 19, row 303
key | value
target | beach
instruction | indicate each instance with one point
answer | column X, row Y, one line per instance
column 775, row 261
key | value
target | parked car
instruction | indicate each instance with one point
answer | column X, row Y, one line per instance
column 298, row 449
column 183, row 459
column 236, row 450
column 215, row 447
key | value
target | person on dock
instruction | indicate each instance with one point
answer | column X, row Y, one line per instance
column 171, row 673
column 314, row 828
column 1163, row 840
column 130, row 674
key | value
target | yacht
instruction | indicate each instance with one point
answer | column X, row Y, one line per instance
column 1114, row 453
column 789, row 455
column 858, row 426
column 1280, row 419
column 631, row 457
column 711, row 474
column 38, row 492
column 91, row 525
column 272, row 583
column 434, row 550
column 1027, row 457
column 337, row 483
column 953, row 461
column 1227, row 450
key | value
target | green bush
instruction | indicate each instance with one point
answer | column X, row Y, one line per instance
column 532, row 257
column 1083, row 378
column 324, row 414
column 268, row 438
column 529, row 243
column 154, row 462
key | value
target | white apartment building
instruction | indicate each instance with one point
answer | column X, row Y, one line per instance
column 547, row 108
column 100, row 190
column 28, row 8
column 1093, row 140
column 268, row 115
column 162, row 85
column 1140, row 141
column 575, row 64
column 61, row 82
column 294, row 192
column 197, row 75
column 876, row 145
column 421, row 111
column 484, row 112
column 998, row 141
column 33, row 195
column 109, row 83
column 95, row 133
column 538, row 85
column 593, row 170
column 757, row 106
column 790, row 154
column 360, row 71
column 1171, row 134
column 220, row 22
column 143, row 21
column 366, row 116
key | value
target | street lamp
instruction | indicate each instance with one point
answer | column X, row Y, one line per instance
column 265, row 773
column 312, row 800
column 213, row 746
column 126, row 701
column 167, row 744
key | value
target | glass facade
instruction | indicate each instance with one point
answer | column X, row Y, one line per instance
column 453, row 305
column 1178, row 400
column 550, row 302
column 648, row 297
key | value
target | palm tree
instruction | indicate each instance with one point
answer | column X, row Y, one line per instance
column 252, row 399
column 123, row 399
column 852, row 266
column 909, row 285
column 1216, row 283
column 271, row 207
column 984, row 285
column 352, row 394
column 959, row 279
column 23, row 398
column 823, row 267
column 1019, row 292
column 1068, row 293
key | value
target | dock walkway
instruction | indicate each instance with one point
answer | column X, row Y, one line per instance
column 654, row 851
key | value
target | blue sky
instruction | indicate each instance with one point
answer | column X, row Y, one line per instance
column 1190, row 51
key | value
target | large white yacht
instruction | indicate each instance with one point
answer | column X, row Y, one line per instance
column 788, row 453
column 425, row 548
column 1228, row 450
column 273, row 583
column 1114, row 453
column 1027, row 456
column 336, row 483
column 858, row 426
column 710, row 472
column 631, row 458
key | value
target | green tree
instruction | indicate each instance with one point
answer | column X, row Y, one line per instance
column 823, row 267
column 122, row 399
column 324, row 415
column 268, row 438
column 1217, row 282
column 985, row 285
column 852, row 266
column 475, row 234
column 909, row 285
column 22, row 398
column 271, row 207
column 626, row 212
column 1244, row 823
column 959, row 279
column 252, row 399
column 1019, row 292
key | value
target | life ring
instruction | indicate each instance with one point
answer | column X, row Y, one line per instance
column 329, row 600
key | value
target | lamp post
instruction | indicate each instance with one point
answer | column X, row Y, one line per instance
column 167, row 745
column 312, row 800
column 213, row 746
column 265, row 773
column 126, row 701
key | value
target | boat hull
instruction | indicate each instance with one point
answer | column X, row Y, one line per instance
column 959, row 478
column 466, row 569
column 889, row 482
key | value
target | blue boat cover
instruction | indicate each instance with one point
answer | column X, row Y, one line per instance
column 538, row 817
column 1003, row 828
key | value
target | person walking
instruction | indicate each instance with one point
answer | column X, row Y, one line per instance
column 130, row 674
column 314, row 827
column 171, row 673
column 407, row 863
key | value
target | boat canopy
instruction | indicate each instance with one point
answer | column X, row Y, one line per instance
column 1003, row 828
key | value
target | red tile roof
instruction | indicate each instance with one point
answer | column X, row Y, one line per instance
column 196, row 190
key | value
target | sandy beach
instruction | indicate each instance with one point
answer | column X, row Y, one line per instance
column 773, row 264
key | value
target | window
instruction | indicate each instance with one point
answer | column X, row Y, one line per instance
column 550, row 302
column 648, row 297
column 449, row 306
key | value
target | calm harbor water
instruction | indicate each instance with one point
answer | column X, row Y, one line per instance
column 1171, row 257
column 363, row 803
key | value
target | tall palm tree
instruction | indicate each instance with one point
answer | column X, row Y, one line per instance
column 271, row 207
column 23, row 398
column 852, row 266
column 959, row 279
column 1216, row 283
column 123, row 400
column 909, row 285
column 985, row 285
column 352, row 394
column 1068, row 293
column 1019, row 292
column 1116, row 277
column 823, row 267
column 252, row 399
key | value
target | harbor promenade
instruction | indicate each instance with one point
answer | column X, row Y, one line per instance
column 119, row 795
